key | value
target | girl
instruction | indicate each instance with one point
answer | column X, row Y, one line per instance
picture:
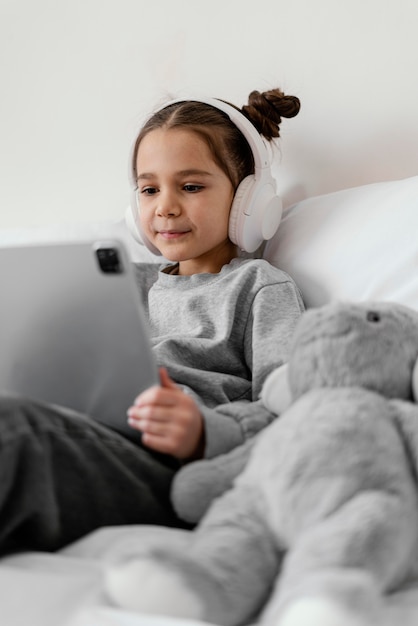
column 219, row 324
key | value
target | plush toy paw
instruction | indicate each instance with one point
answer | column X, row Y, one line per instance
column 276, row 394
column 147, row 586
column 197, row 485
column 317, row 611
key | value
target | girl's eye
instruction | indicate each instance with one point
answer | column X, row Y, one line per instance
column 149, row 191
column 192, row 188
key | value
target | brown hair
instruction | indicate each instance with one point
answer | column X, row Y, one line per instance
column 227, row 144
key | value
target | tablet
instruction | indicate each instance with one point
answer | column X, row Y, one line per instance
column 73, row 330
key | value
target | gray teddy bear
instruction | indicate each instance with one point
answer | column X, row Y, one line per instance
column 322, row 521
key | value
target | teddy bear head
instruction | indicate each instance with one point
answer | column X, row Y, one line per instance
column 373, row 345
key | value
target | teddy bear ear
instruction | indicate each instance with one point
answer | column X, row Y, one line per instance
column 415, row 381
column 275, row 394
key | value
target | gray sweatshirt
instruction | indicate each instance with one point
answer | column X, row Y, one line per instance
column 219, row 336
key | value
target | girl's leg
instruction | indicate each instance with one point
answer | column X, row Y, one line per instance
column 63, row 475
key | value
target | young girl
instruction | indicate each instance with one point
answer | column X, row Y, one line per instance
column 219, row 324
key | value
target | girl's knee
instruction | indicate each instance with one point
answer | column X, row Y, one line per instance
column 13, row 405
column 19, row 415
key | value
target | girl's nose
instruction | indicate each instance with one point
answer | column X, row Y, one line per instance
column 168, row 204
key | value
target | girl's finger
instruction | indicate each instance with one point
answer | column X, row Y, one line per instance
column 149, row 413
column 157, row 396
column 165, row 380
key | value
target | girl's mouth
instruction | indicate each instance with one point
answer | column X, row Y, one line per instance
column 172, row 234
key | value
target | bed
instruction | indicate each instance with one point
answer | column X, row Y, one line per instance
column 354, row 244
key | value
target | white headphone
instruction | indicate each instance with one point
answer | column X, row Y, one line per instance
column 256, row 209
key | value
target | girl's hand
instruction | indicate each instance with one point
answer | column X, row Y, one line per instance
column 169, row 419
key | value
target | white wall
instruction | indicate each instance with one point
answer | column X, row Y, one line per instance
column 77, row 77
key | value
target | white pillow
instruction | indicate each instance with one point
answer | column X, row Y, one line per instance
column 353, row 245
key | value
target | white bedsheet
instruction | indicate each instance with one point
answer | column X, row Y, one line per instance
column 66, row 588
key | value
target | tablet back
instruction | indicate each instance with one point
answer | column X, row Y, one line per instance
column 72, row 328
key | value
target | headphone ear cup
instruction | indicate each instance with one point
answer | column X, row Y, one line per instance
column 237, row 215
column 134, row 225
column 255, row 213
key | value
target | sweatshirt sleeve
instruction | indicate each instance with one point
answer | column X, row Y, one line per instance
column 272, row 319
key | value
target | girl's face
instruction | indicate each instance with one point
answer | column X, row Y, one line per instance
column 185, row 201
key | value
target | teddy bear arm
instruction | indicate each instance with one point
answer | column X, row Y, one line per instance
column 198, row 484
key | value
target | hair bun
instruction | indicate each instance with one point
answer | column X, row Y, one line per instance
column 265, row 111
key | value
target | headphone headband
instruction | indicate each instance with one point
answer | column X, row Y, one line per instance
column 243, row 124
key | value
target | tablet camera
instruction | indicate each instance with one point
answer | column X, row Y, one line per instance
column 109, row 261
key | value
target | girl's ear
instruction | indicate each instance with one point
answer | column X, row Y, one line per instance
column 276, row 395
column 415, row 381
